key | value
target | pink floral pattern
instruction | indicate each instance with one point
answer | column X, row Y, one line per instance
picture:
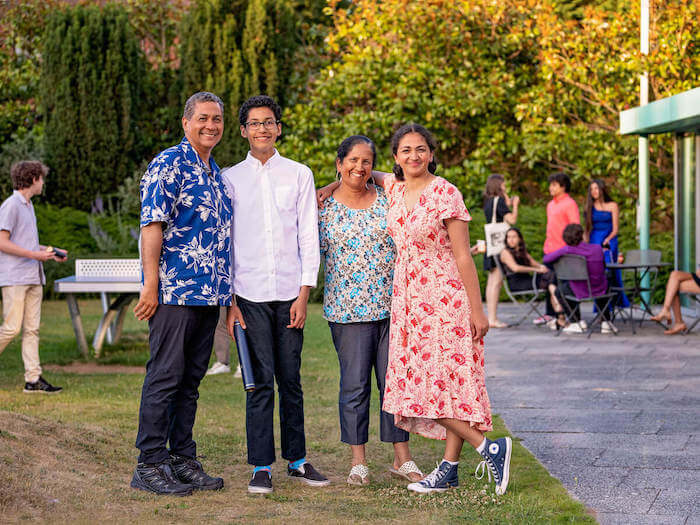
column 435, row 369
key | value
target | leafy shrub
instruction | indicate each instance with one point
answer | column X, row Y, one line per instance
column 26, row 145
column 92, row 101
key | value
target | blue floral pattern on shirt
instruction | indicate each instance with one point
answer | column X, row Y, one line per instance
column 358, row 256
column 195, row 206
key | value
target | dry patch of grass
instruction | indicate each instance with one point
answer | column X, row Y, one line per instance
column 68, row 458
column 47, row 465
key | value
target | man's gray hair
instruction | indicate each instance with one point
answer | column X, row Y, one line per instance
column 202, row 96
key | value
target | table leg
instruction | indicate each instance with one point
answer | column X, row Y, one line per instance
column 106, row 321
column 118, row 325
column 104, row 299
column 77, row 324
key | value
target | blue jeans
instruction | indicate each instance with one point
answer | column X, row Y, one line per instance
column 361, row 346
column 275, row 355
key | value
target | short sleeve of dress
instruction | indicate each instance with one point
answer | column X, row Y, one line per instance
column 451, row 204
column 389, row 182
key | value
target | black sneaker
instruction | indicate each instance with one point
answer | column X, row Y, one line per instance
column 309, row 475
column 260, row 483
column 41, row 386
column 190, row 471
column 159, row 478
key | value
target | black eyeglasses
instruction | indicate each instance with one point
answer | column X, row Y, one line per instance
column 268, row 124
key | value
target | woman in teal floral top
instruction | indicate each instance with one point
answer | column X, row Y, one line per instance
column 358, row 259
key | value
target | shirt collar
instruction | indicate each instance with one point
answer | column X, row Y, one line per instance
column 20, row 197
column 561, row 197
column 270, row 162
column 192, row 156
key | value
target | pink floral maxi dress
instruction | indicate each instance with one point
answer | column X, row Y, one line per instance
column 435, row 368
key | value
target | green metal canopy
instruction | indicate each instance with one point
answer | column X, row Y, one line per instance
column 680, row 116
column 675, row 114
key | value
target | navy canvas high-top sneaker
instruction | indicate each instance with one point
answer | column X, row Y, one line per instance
column 439, row 480
column 496, row 456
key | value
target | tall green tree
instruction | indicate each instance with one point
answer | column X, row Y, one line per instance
column 92, row 91
column 456, row 67
column 243, row 48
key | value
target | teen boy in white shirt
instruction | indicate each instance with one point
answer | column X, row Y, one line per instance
column 275, row 265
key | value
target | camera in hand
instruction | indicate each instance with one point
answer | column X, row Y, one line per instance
column 58, row 253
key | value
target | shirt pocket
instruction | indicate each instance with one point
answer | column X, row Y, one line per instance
column 285, row 198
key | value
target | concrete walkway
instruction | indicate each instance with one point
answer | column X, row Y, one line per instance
column 616, row 419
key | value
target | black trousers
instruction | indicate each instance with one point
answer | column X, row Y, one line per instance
column 361, row 347
column 180, row 340
column 575, row 306
column 275, row 354
column 521, row 282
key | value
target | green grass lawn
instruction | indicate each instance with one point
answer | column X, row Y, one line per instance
column 69, row 457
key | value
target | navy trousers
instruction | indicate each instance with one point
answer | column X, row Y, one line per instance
column 361, row 347
column 275, row 355
column 180, row 340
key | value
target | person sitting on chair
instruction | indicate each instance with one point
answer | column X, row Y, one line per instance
column 518, row 266
column 595, row 262
column 678, row 281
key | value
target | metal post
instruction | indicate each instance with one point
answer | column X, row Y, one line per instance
column 644, row 190
column 688, row 195
column 77, row 324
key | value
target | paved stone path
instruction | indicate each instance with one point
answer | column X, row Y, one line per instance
column 616, row 419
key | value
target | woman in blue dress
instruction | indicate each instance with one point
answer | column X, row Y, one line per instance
column 602, row 224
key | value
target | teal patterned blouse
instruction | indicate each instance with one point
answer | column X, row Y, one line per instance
column 358, row 256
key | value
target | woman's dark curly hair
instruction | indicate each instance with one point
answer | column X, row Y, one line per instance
column 401, row 133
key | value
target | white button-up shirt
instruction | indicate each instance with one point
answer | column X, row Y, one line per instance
column 275, row 228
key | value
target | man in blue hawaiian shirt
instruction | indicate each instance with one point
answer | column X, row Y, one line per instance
column 185, row 252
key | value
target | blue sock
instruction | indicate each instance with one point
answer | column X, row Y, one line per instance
column 296, row 464
column 263, row 467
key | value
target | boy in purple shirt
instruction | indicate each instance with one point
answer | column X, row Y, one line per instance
column 595, row 261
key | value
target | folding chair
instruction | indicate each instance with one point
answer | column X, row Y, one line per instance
column 574, row 268
column 526, row 300
column 635, row 288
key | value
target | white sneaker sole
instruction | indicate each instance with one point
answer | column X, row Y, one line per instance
column 218, row 371
column 259, row 490
column 420, row 489
column 311, row 482
column 501, row 489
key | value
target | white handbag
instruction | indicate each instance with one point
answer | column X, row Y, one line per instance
column 495, row 233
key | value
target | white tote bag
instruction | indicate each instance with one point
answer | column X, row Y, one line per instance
column 495, row 233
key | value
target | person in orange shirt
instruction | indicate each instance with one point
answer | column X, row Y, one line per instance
column 561, row 210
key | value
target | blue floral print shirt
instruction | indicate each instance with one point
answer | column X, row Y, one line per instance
column 358, row 257
column 180, row 190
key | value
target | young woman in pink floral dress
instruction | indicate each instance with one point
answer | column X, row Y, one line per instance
column 435, row 377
